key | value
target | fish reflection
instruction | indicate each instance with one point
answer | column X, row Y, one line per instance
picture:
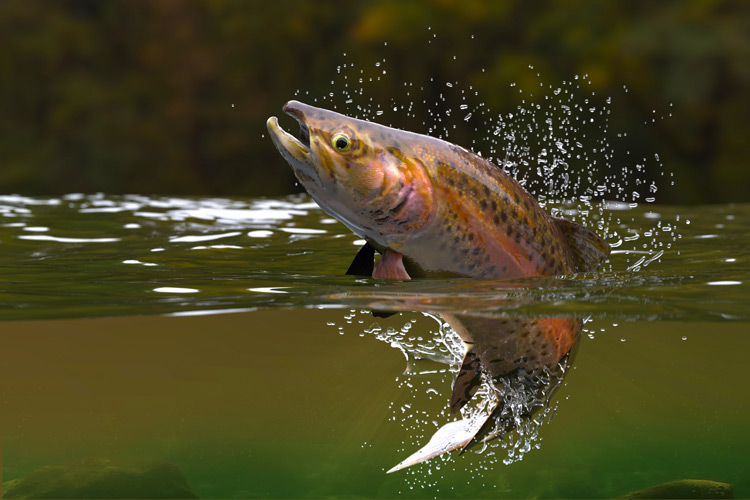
column 524, row 361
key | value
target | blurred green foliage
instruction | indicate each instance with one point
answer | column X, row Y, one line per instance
column 171, row 96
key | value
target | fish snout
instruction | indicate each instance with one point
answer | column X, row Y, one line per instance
column 300, row 111
column 295, row 109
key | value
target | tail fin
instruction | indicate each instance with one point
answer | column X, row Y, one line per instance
column 588, row 248
column 451, row 436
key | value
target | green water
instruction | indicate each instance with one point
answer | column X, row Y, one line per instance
column 113, row 348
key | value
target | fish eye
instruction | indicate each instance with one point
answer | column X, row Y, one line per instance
column 342, row 143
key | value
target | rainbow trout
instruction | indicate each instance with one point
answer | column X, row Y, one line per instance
column 434, row 209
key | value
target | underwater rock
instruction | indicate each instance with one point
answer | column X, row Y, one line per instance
column 685, row 488
column 100, row 478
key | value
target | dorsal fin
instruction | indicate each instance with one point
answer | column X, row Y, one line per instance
column 467, row 382
column 587, row 247
column 363, row 262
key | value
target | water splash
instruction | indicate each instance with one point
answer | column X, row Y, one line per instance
column 558, row 142
column 433, row 359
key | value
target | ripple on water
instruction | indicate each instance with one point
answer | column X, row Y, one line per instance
column 202, row 237
column 113, row 260
column 261, row 233
column 62, row 239
column 175, row 289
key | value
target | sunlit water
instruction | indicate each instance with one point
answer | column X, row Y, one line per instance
column 308, row 385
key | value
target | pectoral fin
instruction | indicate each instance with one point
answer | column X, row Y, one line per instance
column 390, row 266
column 467, row 382
column 363, row 265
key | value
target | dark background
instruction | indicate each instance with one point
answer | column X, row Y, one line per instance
column 136, row 95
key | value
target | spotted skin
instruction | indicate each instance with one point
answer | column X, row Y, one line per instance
column 489, row 226
column 506, row 344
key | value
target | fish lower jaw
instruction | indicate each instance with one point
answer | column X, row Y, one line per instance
column 305, row 178
column 293, row 150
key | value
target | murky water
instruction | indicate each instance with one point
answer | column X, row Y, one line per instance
column 114, row 348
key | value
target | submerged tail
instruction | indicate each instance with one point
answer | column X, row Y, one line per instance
column 451, row 436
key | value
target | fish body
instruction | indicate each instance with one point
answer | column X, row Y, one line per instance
column 507, row 344
column 443, row 210
column 435, row 209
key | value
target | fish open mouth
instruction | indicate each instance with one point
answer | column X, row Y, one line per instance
column 292, row 108
column 295, row 151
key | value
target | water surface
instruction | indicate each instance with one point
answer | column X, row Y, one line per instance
column 91, row 256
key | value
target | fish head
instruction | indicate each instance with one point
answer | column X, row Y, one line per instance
column 358, row 172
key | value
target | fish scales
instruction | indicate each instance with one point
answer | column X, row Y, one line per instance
column 510, row 222
column 486, row 224
column 506, row 344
